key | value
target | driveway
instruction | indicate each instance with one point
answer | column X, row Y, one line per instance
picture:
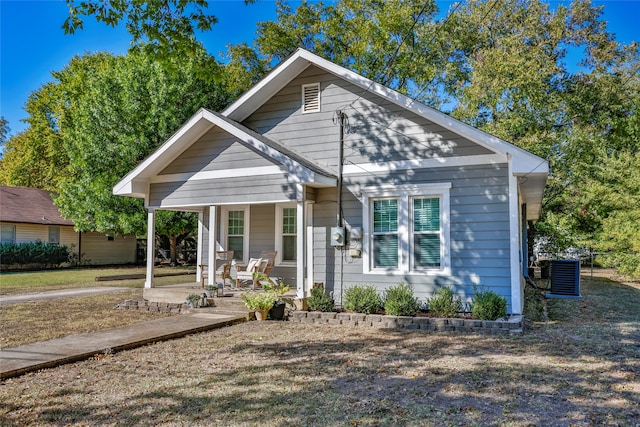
column 65, row 293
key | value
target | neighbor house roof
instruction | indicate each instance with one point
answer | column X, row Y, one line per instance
column 30, row 206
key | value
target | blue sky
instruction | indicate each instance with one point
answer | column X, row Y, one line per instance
column 32, row 42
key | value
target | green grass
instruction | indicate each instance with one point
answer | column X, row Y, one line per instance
column 48, row 280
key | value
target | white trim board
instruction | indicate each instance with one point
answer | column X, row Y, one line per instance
column 441, row 162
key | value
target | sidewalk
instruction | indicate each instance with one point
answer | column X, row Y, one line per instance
column 31, row 357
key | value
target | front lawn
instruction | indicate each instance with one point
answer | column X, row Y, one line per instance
column 581, row 367
column 20, row 282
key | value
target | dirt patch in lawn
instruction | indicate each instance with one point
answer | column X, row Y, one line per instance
column 582, row 369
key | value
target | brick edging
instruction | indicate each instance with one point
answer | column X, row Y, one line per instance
column 512, row 325
column 145, row 305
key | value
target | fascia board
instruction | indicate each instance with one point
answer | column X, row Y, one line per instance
column 193, row 129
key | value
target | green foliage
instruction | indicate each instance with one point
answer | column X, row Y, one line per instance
column 38, row 253
column 488, row 305
column 194, row 299
column 400, row 301
column 320, row 301
column 444, row 303
column 159, row 27
column 362, row 299
column 259, row 300
column 100, row 117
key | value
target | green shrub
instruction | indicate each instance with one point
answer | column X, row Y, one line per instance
column 488, row 305
column 444, row 303
column 320, row 301
column 362, row 299
column 37, row 252
column 399, row 301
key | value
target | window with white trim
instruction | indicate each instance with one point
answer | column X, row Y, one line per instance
column 311, row 98
column 286, row 233
column 385, row 234
column 407, row 229
column 8, row 233
column 235, row 231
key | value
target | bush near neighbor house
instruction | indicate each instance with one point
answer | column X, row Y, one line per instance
column 444, row 303
column 362, row 299
column 319, row 301
column 39, row 253
column 488, row 305
column 400, row 301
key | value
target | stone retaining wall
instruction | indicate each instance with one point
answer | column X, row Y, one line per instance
column 144, row 305
column 501, row 327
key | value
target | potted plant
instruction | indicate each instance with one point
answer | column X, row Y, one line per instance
column 209, row 290
column 193, row 300
column 279, row 305
column 260, row 302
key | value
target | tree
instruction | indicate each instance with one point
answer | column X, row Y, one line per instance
column 161, row 28
column 101, row 116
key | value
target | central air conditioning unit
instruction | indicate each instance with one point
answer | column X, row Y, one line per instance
column 565, row 279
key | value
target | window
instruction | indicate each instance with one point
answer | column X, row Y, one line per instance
column 235, row 233
column 54, row 235
column 385, row 233
column 406, row 229
column 427, row 233
column 311, row 98
column 287, row 233
column 8, row 233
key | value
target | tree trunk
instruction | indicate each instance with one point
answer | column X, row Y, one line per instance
column 173, row 245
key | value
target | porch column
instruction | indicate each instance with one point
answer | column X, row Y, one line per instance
column 211, row 254
column 151, row 246
column 200, row 246
column 309, row 254
column 300, row 244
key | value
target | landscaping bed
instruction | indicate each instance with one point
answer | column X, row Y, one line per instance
column 512, row 325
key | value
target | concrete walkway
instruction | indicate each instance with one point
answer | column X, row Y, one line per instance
column 64, row 293
column 31, row 357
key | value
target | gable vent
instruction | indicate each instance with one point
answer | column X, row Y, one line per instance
column 311, row 98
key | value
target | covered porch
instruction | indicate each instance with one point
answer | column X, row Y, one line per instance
column 237, row 234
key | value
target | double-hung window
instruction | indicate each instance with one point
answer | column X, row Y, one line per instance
column 406, row 229
column 427, row 233
column 54, row 235
column 235, row 230
column 385, row 233
column 286, row 233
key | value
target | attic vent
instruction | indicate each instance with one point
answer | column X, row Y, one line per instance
column 311, row 98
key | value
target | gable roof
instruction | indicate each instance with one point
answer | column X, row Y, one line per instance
column 524, row 161
column 531, row 169
column 29, row 206
column 299, row 169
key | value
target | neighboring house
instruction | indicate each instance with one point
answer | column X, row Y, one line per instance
column 424, row 199
column 29, row 215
